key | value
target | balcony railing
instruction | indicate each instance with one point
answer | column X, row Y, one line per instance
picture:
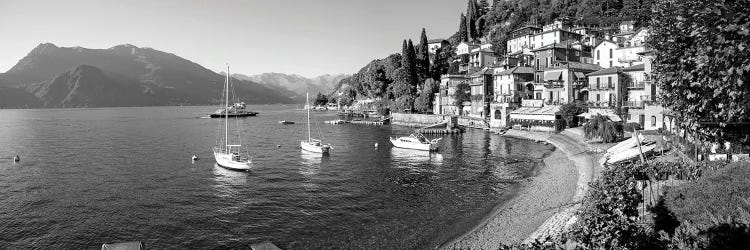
column 636, row 85
column 632, row 104
column 601, row 104
column 551, row 85
column 600, row 87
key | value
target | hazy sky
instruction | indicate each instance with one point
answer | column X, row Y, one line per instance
column 307, row 37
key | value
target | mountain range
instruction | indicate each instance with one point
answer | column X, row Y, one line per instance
column 125, row 75
column 296, row 86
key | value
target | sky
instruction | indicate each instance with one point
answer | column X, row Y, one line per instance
column 305, row 37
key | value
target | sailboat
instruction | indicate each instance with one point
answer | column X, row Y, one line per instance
column 227, row 155
column 313, row 145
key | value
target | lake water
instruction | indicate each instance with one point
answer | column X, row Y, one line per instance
column 93, row 176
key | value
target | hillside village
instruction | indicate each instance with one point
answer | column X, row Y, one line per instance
column 606, row 70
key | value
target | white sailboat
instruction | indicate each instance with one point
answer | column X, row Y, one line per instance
column 313, row 145
column 227, row 155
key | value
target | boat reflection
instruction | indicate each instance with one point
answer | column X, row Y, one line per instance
column 228, row 181
column 413, row 159
column 310, row 167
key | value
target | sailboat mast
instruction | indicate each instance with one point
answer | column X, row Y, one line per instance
column 307, row 99
column 226, row 111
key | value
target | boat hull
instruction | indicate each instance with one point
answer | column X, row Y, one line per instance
column 225, row 160
column 324, row 149
column 234, row 115
column 409, row 145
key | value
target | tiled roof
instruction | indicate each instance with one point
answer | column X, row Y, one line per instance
column 560, row 45
column 440, row 40
column 607, row 71
column 516, row 70
column 637, row 67
column 484, row 71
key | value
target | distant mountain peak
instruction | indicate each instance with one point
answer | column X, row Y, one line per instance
column 42, row 48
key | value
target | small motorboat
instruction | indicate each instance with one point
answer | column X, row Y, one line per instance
column 339, row 121
column 16, row 159
column 236, row 110
column 418, row 142
column 284, row 122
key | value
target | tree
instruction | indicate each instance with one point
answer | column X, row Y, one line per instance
column 411, row 59
column 702, row 62
column 602, row 128
column 609, row 215
column 471, row 17
column 423, row 103
column 462, row 94
column 423, row 56
column 463, row 33
column 321, row 99
column 443, row 57
column 570, row 113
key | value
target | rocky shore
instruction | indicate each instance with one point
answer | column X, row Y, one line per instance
column 545, row 204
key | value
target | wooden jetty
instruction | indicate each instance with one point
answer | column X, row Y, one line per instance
column 365, row 122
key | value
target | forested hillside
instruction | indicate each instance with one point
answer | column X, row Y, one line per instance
column 401, row 77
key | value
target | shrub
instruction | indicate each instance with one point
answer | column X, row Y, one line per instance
column 631, row 125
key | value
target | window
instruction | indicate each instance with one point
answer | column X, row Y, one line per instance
column 597, row 84
column 610, row 53
column 653, row 120
column 610, row 64
column 598, row 52
column 629, row 117
column 609, row 81
column 598, row 97
column 497, row 114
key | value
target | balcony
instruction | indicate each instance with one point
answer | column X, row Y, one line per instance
column 650, row 99
column 632, row 104
column 600, row 104
column 600, row 87
column 636, row 85
column 552, row 85
column 629, row 58
column 463, row 67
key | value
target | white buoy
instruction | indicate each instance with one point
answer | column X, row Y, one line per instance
column 195, row 158
column 376, row 144
column 16, row 159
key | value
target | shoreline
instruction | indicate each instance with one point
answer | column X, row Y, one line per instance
column 544, row 204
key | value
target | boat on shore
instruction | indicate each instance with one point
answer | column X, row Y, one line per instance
column 236, row 110
column 228, row 155
column 415, row 141
column 338, row 121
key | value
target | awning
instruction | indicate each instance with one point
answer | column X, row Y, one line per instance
column 579, row 75
column 552, row 76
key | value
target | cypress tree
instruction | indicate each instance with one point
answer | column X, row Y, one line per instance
column 463, row 33
column 471, row 17
column 423, row 55
column 412, row 60
column 404, row 52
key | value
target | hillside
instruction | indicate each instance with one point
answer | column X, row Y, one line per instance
column 148, row 77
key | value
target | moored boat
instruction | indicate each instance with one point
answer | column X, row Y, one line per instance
column 313, row 145
column 284, row 122
column 418, row 142
column 227, row 155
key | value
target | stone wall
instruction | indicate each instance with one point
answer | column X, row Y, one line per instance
column 418, row 120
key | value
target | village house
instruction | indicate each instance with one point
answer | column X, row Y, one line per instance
column 445, row 103
column 604, row 54
column 652, row 110
column 556, row 32
column 434, row 44
column 521, row 39
column 510, row 88
column 481, row 93
column 606, row 88
column 637, row 94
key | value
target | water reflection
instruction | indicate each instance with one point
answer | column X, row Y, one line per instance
column 228, row 181
column 310, row 163
column 413, row 159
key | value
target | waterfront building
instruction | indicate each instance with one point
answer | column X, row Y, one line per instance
column 638, row 94
column 562, row 82
column 628, row 51
column 445, row 103
column 434, row 44
column 653, row 111
column 606, row 89
column 511, row 86
column 481, row 92
column 535, row 116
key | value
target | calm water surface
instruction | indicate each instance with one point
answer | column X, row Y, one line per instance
column 93, row 176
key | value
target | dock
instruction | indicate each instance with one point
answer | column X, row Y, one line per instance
column 440, row 131
column 368, row 122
